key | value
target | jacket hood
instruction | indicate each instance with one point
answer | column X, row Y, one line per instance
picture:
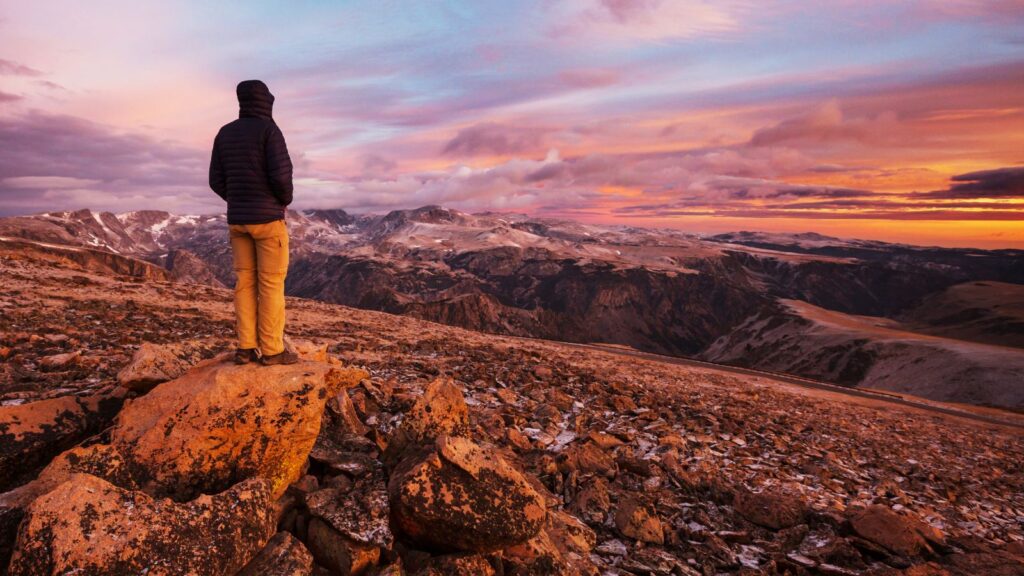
column 254, row 99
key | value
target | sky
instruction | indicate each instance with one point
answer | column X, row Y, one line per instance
column 900, row 121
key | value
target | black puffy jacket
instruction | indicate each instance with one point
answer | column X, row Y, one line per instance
column 250, row 166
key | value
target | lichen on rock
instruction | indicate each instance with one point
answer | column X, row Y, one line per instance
column 218, row 424
column 87, row 526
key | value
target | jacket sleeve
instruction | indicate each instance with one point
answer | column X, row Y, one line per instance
column 279, row 166
column 218, row 182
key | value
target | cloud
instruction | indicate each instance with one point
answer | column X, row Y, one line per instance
column 50, row 85
column 650, row 20
column 897, row 215
column 491, row 138
column 48, row 182
column 590, row 77
column 823, row 124
column 53, row 161
column 5, row 97
column 998, row 183
column 9, row 68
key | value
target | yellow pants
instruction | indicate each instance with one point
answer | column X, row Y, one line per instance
column 261, row 264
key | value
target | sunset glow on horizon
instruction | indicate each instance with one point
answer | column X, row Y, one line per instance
column 898, row 121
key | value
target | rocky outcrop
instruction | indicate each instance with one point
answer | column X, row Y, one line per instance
column 211, row 428
column 82, row 258
column 187, row 267
column 88, row 526
column 33, row 433
column 433, row 503
column 220, row 423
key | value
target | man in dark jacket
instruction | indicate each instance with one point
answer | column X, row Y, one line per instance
column 251, row 169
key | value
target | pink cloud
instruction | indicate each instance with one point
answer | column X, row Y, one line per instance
column 10, row 68
column 825, row 123
column 589, row 77
column 649, row 20
column 490, row 138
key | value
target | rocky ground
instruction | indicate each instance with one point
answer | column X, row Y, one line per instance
column 454, row 453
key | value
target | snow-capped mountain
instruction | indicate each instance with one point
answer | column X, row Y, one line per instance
column 727, row 297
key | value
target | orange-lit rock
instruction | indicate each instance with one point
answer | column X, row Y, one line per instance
column 152, row 364
column 898, row 533
column 441, row 410
column 33, row 433
column 89, row 526
column 638, row 521
column 217, row 424
column 462, row 496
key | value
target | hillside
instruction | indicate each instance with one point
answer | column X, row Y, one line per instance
column 873, row 352
column 989, row 312
column 655, row 290
column 637, row 466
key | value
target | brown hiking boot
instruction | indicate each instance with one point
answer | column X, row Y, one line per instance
column 286, row 357
column 246, row 355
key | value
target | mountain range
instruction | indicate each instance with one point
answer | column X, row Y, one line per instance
column 942, row 323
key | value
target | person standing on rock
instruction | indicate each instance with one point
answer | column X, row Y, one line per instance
column 251, row 170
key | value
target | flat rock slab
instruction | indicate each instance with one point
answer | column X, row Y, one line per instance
column 895, row 532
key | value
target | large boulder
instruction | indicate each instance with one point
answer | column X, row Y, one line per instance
column 462, row 496
column 98, row 460
column 87, row 526
column 217, row 424
column 32, row 434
